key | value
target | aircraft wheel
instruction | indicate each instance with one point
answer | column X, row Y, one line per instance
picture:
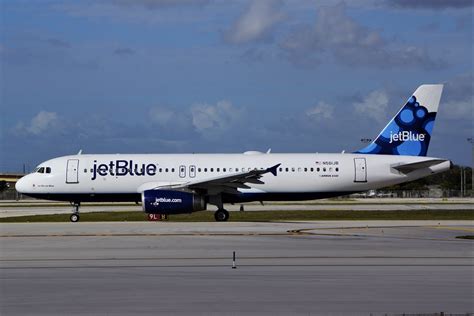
column 221, row 215
column 74, row 218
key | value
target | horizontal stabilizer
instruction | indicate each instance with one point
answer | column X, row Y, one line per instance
column 410, row 167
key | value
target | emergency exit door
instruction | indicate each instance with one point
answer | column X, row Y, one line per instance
column 72, row 171
column 360, row 167
column 192, row 171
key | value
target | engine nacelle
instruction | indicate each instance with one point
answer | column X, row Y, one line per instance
column 171, row 202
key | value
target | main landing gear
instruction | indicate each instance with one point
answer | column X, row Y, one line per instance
column 75, row 212
column 221, row 215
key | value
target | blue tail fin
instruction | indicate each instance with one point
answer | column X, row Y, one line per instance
column 409, row 132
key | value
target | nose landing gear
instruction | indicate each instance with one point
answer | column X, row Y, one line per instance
column 75, row 212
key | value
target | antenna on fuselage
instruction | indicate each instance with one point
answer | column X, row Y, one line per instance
column 269, row 150
column 80, row 152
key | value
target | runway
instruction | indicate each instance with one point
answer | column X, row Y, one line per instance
column 343, row 267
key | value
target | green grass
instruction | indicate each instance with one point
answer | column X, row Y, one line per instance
column 334, row 201
column 258, row 216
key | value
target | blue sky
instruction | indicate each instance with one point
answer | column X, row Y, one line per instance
column 154, row 76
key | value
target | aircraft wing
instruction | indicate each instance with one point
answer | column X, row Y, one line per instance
column 227, row 183
column 410, row 167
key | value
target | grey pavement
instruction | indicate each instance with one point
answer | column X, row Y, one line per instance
column 291, row 268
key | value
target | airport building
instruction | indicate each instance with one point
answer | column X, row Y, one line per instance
column 7, row 186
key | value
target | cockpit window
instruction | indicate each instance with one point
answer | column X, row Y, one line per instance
column 48, row 170
column 41, row 170
column 36, row 170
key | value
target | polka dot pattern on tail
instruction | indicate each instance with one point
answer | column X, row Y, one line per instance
column 409, row 133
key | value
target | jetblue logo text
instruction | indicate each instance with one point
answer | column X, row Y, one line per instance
column 406, row 136
column 121, row 168
column 165, row 200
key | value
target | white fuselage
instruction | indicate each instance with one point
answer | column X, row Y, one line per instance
column 123, row 177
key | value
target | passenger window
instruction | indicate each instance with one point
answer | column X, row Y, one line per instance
column 299, row 169
column 236, row 169
column 286, row 169
column 212, row 169
column 293, row 169
column 205, row 169
column 85, row 170
column 312, row 169
column 280, row 169
column 223, row 169
column 305, row 169
column 172, row 169
column 318, row 169
column 337, row 169
column 166, row 169
column 218, row 169
column 161, row 169
column 199, row 169
column 324, row 169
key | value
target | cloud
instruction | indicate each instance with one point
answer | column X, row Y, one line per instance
column 161, row 115
column 124, row 51
column 459, row 87
column 208, row 118
column 458, row 97
column 256, row 22
column 321, row 111
column 458, row 110
column 158, row 4
column 374, row 105
column 464, row 23
column 338, row 36
column 136, row 11
column 58, row 43
column 42, row 122
column 431, row 4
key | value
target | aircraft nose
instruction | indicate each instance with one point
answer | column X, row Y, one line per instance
column 21, row 185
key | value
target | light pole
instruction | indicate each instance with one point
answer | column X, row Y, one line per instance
column 471, row 140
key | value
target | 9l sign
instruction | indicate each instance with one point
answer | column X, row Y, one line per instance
column 157, row 217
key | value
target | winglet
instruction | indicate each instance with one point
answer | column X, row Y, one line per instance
column 273, row 169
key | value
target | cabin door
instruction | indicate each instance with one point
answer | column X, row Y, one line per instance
column 360, row 170
column 72, row 171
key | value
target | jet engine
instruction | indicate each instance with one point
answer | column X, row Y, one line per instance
column 171, row 202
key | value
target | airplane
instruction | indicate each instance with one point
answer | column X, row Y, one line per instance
column 185, row 183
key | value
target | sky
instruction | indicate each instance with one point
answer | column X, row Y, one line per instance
column 178, row 76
